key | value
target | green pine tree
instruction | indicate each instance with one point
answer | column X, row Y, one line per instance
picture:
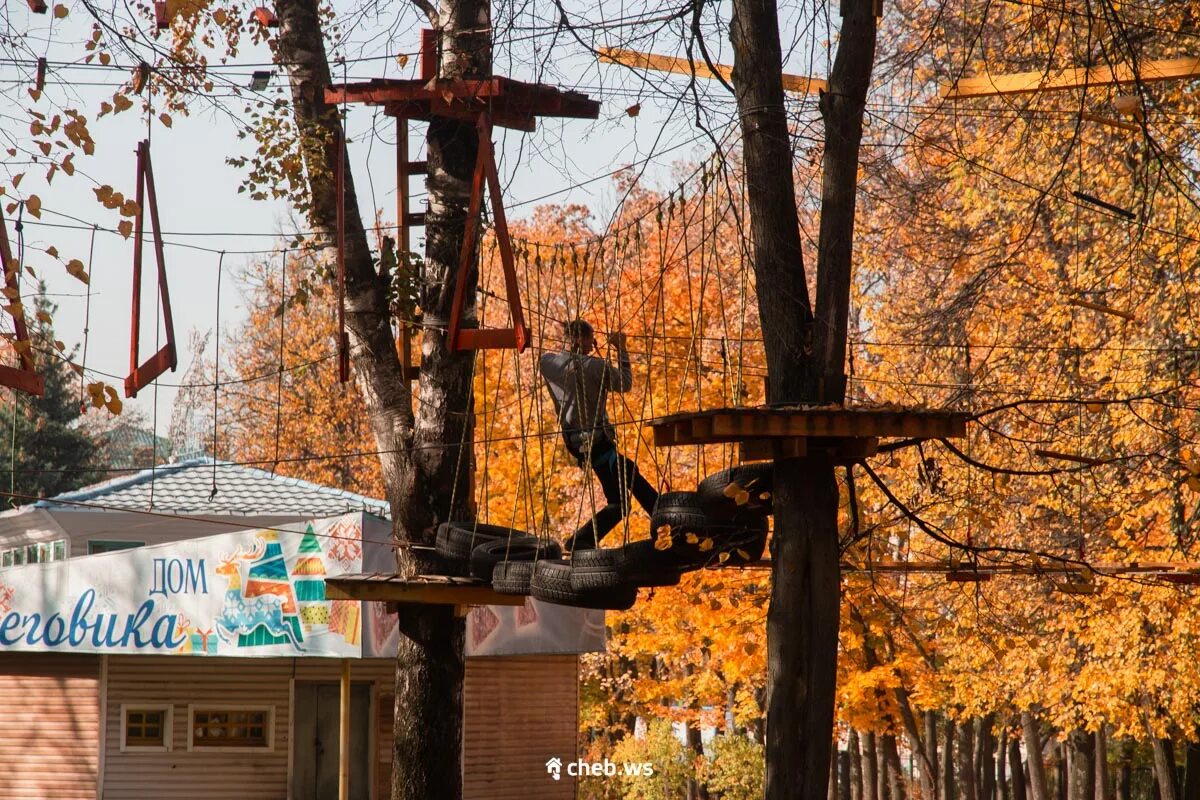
column 46, row 453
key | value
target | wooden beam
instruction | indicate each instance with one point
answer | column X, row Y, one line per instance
column 344, row 733
column 1088, row 304
column 798, row 84
column 986, row 85
column 422, row 589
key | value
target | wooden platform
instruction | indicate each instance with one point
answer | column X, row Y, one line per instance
column 510, row 103
column 794, row 432
column 435, row 589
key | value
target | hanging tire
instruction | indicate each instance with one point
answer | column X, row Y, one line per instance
column 679, row 512
column 512, row 577
column 739, row 542
column 748, row 488
column 597, row 569
column 551, row 582
column 486, row 556
column 644, row 565
column 456, row 540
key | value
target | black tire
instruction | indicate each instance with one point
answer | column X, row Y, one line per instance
column 644, row 565
column 596, row 569
column 486, row 556
column 748, row 488
column 739, row 547
column 512, row 577
column 456, row 540
column 678, row 512
column 551, row 583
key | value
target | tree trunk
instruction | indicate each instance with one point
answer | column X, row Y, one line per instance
column 1038, row 788
column 856, row 772
column 1104, row 789
column 1060, row 771
column 844, row 792
column 870, row 768
column 1081, row 780
column 419, row 455
column 1125, row 776
column 948, row 788
column 966, row 759
column 1018, row 773
column 1001, row 765
column 1191, row 779
column 1164, row 768
column 695, row 743
column 895, row 774
column 986, row 758
column 931, row 755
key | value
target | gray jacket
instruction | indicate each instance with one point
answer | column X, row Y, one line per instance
column 579, row 385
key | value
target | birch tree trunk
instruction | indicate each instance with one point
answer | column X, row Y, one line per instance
column 426, row 469
column 1081, row 780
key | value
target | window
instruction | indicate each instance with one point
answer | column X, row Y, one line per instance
column 96, row 546
column 236, row 728
column 38, row 553
column 145, row 727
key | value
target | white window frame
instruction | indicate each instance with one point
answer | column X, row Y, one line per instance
column 208, row 707
column 168, row 727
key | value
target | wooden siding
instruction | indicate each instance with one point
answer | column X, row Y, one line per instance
column 520, row 711
column 178, row 681
column 49, row 725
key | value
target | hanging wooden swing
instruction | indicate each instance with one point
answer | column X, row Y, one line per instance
column 25, row 376
column 142, row 375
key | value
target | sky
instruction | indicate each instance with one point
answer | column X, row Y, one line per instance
column 212, row 232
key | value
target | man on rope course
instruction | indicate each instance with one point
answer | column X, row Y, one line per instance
column 579, row 383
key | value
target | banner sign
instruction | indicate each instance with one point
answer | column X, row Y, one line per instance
column 253, row 593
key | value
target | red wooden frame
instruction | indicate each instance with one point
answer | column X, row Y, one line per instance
column 141, row 375
column 24, row 377
column 40, row 81
column 487, row 338
column 266, row 17
column 161, row 20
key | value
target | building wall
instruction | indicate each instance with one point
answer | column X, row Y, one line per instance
column 49, row 725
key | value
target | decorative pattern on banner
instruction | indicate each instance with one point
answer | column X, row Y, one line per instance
column 254, row 593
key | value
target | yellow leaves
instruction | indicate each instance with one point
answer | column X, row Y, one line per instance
column 219, row 16
column 402, row 60
column 104, row 396
column 129, row 208
column 706, row 545
column 75, row 269
column 121, row 103
column 60, row 11
column 33, row 204
column 125, row 228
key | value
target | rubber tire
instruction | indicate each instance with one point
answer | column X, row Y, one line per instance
column 755, row 478
column 551, row 583
column 597, row 569
column 751, row 539
column 681, row 512
column 456, row 540
column 486, row 556
column 644, row 565
column 512, row 577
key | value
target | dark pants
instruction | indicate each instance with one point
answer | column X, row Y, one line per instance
column 617, row 475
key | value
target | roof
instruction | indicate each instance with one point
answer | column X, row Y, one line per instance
column 186, row 487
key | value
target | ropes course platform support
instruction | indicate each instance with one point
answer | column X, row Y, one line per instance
column 485, row 101
column 25, row 376
column 424, row 589
column 841, row 434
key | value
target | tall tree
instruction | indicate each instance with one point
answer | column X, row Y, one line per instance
column 805, row 363
column 48, row 452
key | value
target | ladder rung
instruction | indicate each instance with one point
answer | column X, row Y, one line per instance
column 414, row 168
column 414, row 219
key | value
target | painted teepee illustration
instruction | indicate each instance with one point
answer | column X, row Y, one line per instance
column 269, row 576
column 309, row 580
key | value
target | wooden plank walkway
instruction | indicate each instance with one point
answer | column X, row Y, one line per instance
column 436, row 589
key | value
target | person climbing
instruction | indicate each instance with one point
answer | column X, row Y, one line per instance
column 579, row 383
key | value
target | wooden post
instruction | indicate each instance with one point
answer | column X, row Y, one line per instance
column 344, row 734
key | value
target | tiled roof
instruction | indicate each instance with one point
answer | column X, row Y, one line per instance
column 186, row 488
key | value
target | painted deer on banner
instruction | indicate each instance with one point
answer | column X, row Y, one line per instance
column 241, row 615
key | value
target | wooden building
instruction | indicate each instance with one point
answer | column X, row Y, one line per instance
column 158, row 706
